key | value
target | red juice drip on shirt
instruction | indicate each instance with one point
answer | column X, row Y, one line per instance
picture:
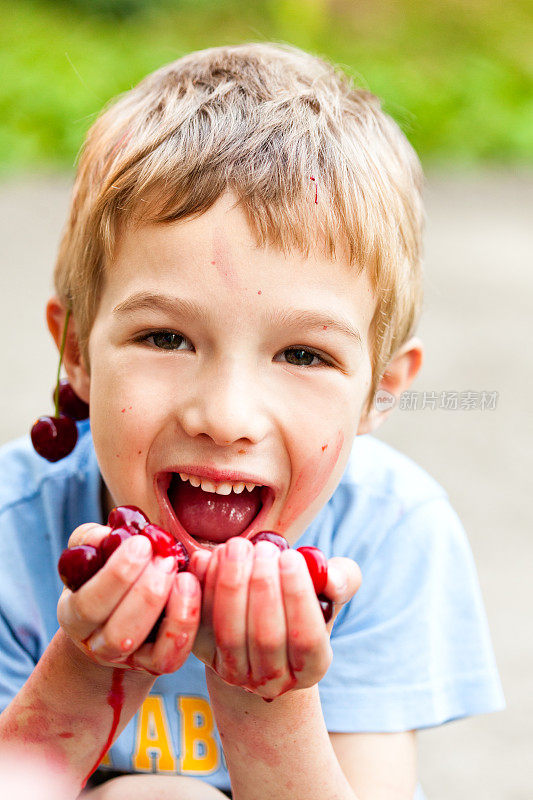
column 316, row 189
column 115, row 699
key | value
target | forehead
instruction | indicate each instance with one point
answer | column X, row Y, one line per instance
column 214, row 258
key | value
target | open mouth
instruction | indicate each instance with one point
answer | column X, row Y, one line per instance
column 202, row 513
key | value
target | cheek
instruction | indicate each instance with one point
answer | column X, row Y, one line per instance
column 122, row 423
column 311, row 481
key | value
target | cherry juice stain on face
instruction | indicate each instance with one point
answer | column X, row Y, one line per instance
column 313, row 477
column 222, row 259
column 115, row 698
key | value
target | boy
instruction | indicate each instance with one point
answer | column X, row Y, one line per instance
column 242, row 265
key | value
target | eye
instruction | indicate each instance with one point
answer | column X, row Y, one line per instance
column 300, row 357
column 166, row 340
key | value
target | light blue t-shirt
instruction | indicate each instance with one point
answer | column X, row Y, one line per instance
column 411, row 650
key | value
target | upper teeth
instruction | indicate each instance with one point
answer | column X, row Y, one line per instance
column 218, row 488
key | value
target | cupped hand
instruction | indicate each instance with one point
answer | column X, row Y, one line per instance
column 262, row 627
column 110, row 616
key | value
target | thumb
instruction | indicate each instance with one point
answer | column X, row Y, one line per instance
column 88, row 533
column 344, row 579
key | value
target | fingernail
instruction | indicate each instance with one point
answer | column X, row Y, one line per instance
column 139, row 546
column 187, row 584
column 199, row 563
column 265, row 550
column 236, row 549
column 290, row 560
column 337, row 578
column 167, row 564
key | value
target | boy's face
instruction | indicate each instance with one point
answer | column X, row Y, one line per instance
column 230, row 363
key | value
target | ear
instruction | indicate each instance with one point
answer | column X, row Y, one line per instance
column 400, row 373
column 73, row 363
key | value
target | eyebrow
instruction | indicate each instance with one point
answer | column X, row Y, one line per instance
column 313, row 320
column 148, row 301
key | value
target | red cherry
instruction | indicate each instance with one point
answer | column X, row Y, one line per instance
column 162, row 542
column 271, row 536
column 327, row 607
column 54, row 437
column 77, row 564
column 182, row 557
column 69, row 403
column 112, row 541
column 317, row 565
column 129, row 517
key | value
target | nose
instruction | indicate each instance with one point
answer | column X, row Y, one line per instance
column 226, row 404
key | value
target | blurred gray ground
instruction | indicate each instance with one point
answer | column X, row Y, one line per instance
column 477, row 331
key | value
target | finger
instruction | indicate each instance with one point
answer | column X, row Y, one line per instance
column 179, row 626
column 267, row 632
column 204, row 645
column 88, row 533
column 229, row 610
column 344, row 579
column 88, row 608
column 141, row 660
column 199, row 562
column 309, row 649
column 210, row 580
column 136, row 614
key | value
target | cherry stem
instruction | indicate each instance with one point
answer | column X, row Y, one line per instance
column 61, row 351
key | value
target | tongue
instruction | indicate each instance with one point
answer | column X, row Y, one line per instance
column 210, row 516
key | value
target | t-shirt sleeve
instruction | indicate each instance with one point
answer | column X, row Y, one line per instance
column 16, row 664
column 25, row 591
column 412, row 649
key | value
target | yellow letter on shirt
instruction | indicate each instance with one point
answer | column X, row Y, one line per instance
column 199, row 751
column 153, row 737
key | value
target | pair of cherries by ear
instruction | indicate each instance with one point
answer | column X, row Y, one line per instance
column 55, row 437
column 78, row 564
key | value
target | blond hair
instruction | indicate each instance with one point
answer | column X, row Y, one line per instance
column 275, row 126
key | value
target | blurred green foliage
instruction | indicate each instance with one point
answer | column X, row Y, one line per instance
column 456, row 74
